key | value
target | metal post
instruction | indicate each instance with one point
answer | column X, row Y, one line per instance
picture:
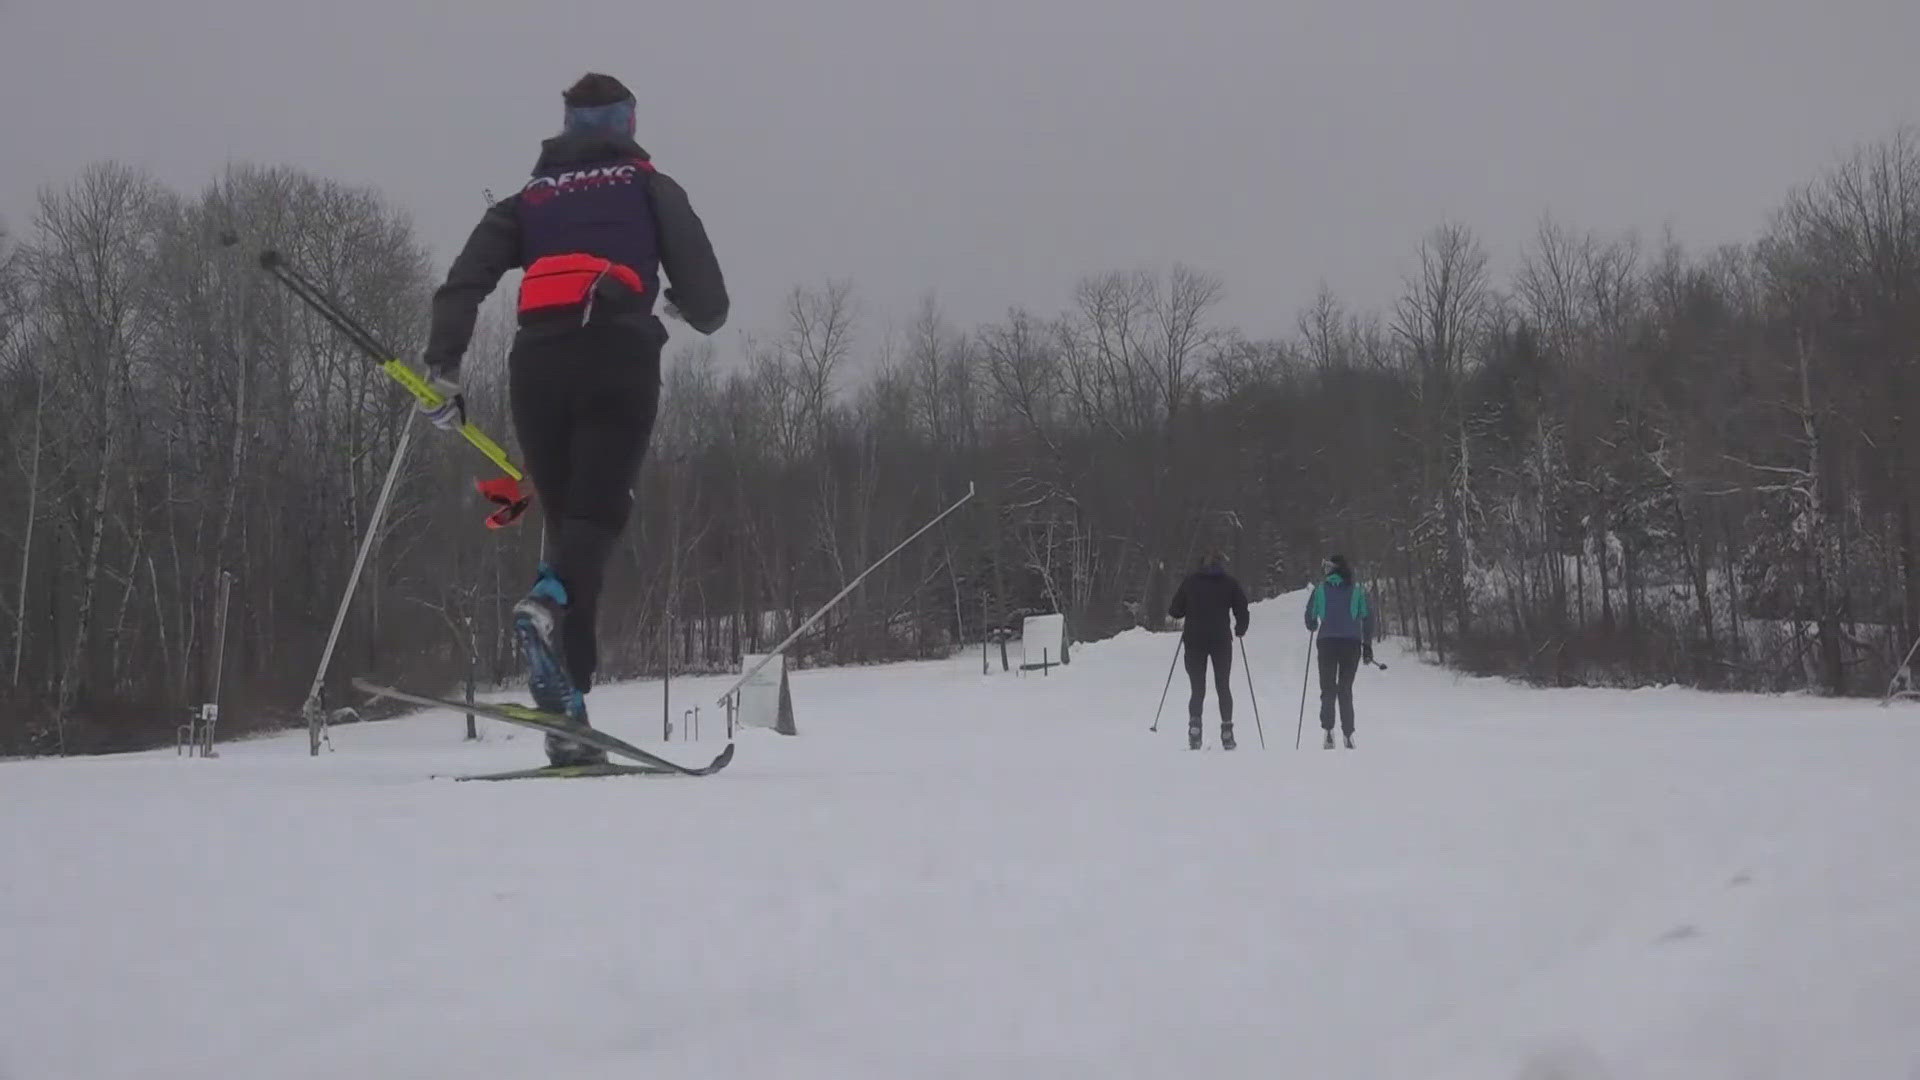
column 220, row 655
column 841, row 595
column 316, row 716
column 473, row 665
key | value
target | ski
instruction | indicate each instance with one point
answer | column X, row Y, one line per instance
column 563, row 771
column 552, row 724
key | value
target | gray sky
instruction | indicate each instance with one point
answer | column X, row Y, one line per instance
column 995, row 150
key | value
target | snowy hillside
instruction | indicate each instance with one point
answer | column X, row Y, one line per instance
column 951, row 875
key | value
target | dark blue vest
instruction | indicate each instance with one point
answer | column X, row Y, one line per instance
column 601, row 208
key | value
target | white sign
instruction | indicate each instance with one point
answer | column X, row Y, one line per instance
column 1043, row 640
column 765, row 699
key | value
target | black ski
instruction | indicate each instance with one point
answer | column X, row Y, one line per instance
column 553, row 724
column 609, row 768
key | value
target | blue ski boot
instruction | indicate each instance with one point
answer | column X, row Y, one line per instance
column 536, row 622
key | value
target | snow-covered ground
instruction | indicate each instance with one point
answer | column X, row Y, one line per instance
column 951, row 875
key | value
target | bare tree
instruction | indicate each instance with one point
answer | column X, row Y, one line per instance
column 1439, row 318
column 92, row 250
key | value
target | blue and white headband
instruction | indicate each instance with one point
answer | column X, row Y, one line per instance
column 617, row 118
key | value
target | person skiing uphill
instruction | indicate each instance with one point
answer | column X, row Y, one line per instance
column 1204, row 601
column 592, row 229
column 1338, row 609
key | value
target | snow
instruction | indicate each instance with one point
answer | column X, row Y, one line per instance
column 951, row 875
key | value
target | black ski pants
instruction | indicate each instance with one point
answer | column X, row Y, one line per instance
column 1199, row 652
column 1339, row 663
column 584, row 403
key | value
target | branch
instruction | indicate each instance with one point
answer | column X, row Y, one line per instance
column 1780, row 470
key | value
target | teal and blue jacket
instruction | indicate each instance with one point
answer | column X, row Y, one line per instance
column 1340, row 611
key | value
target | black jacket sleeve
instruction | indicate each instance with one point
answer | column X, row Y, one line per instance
column 699, row 290
column 492, row 249
column 1178, row 608
column 1241, row 616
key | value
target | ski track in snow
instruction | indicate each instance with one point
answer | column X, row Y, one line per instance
column 950, row 875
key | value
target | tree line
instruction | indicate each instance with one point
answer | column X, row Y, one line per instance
column 1628, row 463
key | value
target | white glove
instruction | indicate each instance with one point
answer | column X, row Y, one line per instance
column 451, row 413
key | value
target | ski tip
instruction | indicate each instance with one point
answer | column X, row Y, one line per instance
column 721, row 761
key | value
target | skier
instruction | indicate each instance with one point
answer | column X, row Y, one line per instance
column 1203, row 602
column 1339, row 611
column 592, row 228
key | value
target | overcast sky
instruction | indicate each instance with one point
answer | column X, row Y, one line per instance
column 995, row 150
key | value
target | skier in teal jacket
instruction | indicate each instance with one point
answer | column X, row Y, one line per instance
column 1342, row 617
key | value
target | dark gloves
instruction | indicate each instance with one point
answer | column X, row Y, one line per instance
column 1366, row 652
column 1313, row 626
column 451, row 413
column 1240, row 631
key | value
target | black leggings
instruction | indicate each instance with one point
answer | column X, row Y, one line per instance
column 584, row 403
column 1221, row 653
column 1339, row 663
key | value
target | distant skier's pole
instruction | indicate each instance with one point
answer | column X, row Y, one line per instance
column 1305, row 677
column 1169, row 686
column 841, row 595
column 1256, row 701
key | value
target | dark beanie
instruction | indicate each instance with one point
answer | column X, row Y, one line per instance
column 1339, row 564
column 599, row 103
column 596, row 89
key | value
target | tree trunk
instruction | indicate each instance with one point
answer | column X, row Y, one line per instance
column 73, row 674
column 26, row 544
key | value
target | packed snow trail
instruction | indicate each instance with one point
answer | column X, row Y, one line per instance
column 951, row 875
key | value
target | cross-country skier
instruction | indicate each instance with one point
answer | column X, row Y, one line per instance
column 1339, row 610
column 1204, row 601
column 592, row 228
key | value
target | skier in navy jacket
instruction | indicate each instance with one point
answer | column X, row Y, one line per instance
column 1203, row 602
column 1339, row 611
column 592, row 228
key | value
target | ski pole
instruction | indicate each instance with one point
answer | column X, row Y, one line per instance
column 504, row 491
column 1163, row 690
column 1254, row 700
column 1305, row 676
